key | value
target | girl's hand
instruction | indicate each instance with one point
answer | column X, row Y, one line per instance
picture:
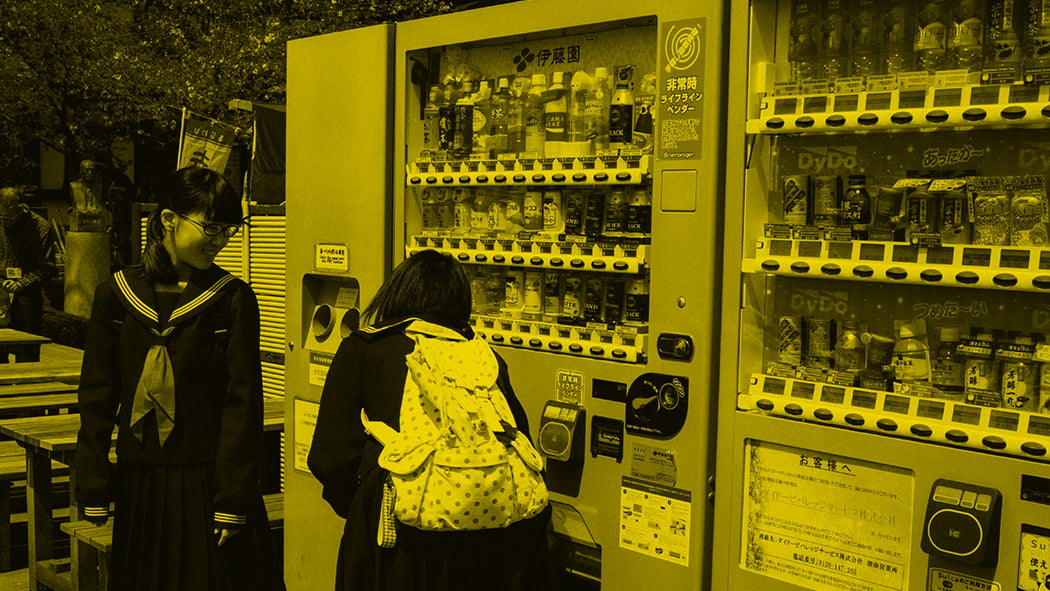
column 225, row 535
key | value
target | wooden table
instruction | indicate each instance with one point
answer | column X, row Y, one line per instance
column 54, row 437
column 23, row 345
column 57, row 363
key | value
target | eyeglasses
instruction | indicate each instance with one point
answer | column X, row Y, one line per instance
column 214, row 229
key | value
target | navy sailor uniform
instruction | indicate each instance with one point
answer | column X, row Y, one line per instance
column 179, row 376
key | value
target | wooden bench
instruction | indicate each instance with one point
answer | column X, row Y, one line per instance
column 37, row 404
column 12, row 469
column 91, row 545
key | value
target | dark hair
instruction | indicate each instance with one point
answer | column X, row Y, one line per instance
column 189, row 190
column 428, row 283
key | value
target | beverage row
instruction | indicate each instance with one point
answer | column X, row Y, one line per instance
column 578, row 114
column 841, row 38
column 990, row 211
column 980, row 366
column 608, row 213
column 561, row 297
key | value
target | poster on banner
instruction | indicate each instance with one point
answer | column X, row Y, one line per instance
column 826, row 522
column 205, row 143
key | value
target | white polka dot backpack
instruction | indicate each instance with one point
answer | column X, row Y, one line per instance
column 459, row 462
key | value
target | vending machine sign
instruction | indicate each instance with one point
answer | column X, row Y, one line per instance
column 654, row 520
column 681, row 89
column 823, row 521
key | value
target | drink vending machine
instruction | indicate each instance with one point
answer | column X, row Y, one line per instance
column 885, row 410
column 571, row 156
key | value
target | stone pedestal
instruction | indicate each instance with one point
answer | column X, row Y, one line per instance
column 87, row 266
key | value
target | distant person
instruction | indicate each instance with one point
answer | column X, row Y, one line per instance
column 424, row 305
column 29, row 248
column 172, row 361
column 87, row 193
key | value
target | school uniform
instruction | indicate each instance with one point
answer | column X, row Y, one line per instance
column 369, row 372
column 179, row 377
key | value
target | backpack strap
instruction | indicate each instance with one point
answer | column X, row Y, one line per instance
column 379, row 430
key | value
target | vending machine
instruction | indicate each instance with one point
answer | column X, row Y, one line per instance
column 571, row 156
column 883, row 420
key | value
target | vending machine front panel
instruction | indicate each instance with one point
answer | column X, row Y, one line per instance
column 570, row 155
column 884, row 299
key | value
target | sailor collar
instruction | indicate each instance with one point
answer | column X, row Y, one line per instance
column 418, row 325
column 137, row 294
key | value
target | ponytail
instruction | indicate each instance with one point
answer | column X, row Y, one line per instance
column 155, row 259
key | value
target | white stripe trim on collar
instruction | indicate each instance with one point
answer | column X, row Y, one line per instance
column 134, row 299
column 203, row 297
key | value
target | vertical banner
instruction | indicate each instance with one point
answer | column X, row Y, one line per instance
column 205, row 143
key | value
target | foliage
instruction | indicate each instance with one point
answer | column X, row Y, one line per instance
column 78, row 74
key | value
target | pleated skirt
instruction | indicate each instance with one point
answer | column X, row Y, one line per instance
column 164, row 535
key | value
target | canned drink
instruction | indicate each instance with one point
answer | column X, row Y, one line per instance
column 428, row 205
column 514, row 209
column 1020, row 385
column 575, row 208
column 532, row 306
column 639, row 213
column 1044, row 388
column 514, row 298
column 552, row 211
column 614, row 222
column 551, row 296
column 497, row 211
column 1028, row 218
column 571, row 299
column 479, row 211
column 827, row 191
column 796, row 200
column 593, row 214
column 444, row 206
column 636, row 306
column 615, row 294
column 593, row 299
column 532, row 209
column 991, row 219
column 820, row 341
column 789, row 339
column 495, row 291
column 462, row 209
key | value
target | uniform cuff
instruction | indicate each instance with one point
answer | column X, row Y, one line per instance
column 96, row 515
column 230, row 520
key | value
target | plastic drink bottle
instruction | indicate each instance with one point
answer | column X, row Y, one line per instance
column 556, row 117
column 498, row 119
column 431, row 121
column 911, row 357
column 834, row 39
column 447, row 116
column 966, row 38
column 578, row 89
column 955, row 219
column 865, row 46
column 463, row 127
column 621, row 116
column 898, row 36
column 849, row 349
column 1003, row 41
column 596, row 110
column 931, row 38
column 482, row 120
column 516, row 115
column 804, row 48
column 855, row 206
column 1037, row 36
column 1020, row 383
column 948, row 364
column 535, row 135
